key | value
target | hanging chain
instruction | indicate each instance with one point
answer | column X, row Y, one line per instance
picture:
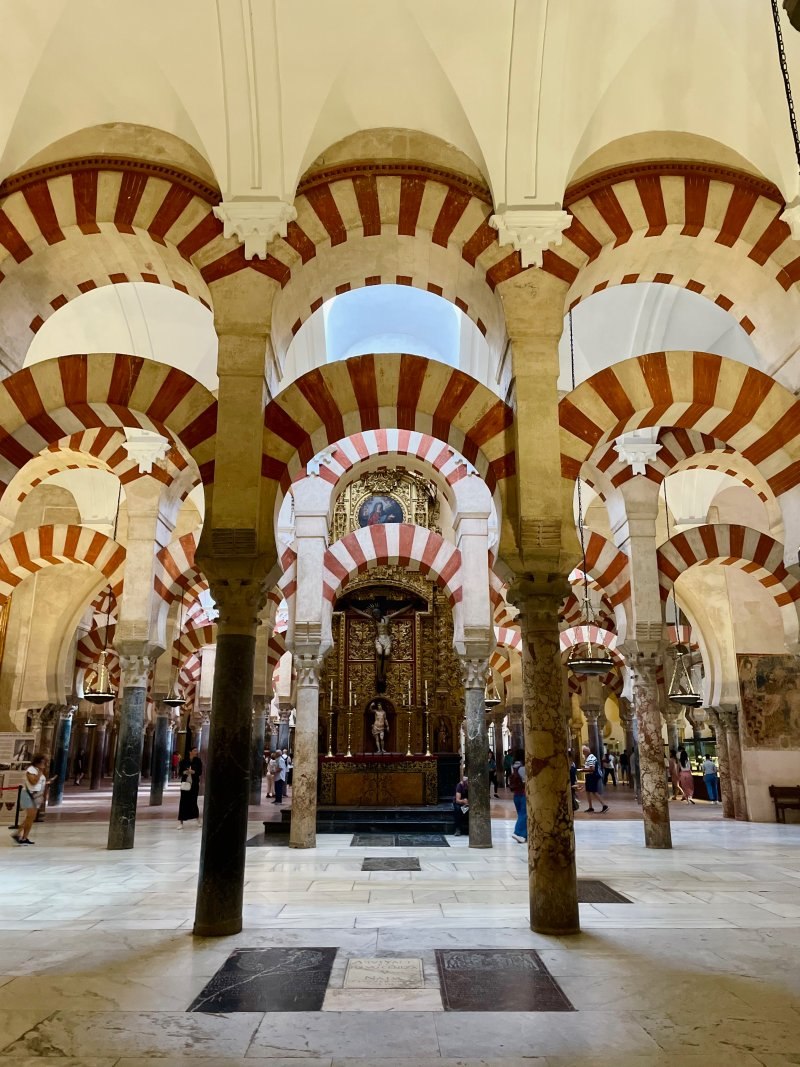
column 586, row 602
column 675, row 607
column 787, row 85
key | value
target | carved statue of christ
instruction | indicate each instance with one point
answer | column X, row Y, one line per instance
column 383, row 638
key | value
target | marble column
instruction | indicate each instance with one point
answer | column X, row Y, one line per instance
column 285, row 713
column 98, row 754
column 517, row 727
column 723, row 764
column 220, row 887
column 61, row 758
column 672, row 716
column 655, row 800
column 697, row 717
column 111, row 747
column 627, row 718
column 35, row 716
column 729, row 717
column 551, row 838
column 592, row 715
column 473, row 673
column 497, row 721
column 205, row 730
column 160, row 761
column 303, row 833
column 147, row 751
column 122, row 824
column 257, row 748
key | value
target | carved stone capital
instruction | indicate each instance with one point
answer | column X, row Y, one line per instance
column 309, row 666
column 538, row 603
column 591, row 712
column 638, row 448
column 260, row 704
column 672, row 715
column 145, row 447
column 728, row 715
column 531, row 230
column 134, row 670
column 256, row 222
column 239, row 602
column 473, row 671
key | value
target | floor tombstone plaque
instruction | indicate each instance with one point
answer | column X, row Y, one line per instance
column 376, row 973
column 408, row 863
column 594, row 892
column 497, row 980
column 268, row 979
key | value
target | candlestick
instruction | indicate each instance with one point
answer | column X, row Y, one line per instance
column 408, row 738
column 426, row 692
column 408, row 702
column 349, row 728
column 330, row 695
column 330, row 730
column 427, row 733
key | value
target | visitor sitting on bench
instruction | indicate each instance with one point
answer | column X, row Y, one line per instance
column 461, row 807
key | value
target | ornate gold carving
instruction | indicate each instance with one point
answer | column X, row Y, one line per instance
column 378, row 779
column 417, row 498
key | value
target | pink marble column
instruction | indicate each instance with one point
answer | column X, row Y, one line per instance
column 728, row 810
column 655, row 802
column 729, row 717
column 551, row 838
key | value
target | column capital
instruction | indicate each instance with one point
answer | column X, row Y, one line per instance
column 260, row 703
column 255, row 222
column 239, row 600
column 473, row 671
column 309, row 665
column 591, row 712
column 672, row 714
column 728, row 715
column 538, row 602
column 531, row 230
column 135, row 668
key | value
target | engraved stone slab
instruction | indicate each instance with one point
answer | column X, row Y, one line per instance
column 594, row 892
column 383, row 974
column 410, row 863
column 268, row 979
column 372, row 841
column 497, row 980
column 422, row 841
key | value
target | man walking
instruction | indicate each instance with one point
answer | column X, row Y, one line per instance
column 710, row 778
column 280, row 779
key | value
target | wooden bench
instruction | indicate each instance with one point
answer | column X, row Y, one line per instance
column 785, row 797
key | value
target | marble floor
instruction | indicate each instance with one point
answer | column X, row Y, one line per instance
column 98, row 964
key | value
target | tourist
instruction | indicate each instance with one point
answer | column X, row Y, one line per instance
column 685, row 777
column 32, row 797
column 573, row 781
column 175, row 762
column 710, row 778
column 609, row 768
column 80, row 767
column 674, row 773
column 289, row 770
column 461, row 807
column 508, row 762
column 280, row 779
column 624, row 767
column 517, row 786
column 491, row 765
column 592, row 780
column 271, row 773
column 190, row 771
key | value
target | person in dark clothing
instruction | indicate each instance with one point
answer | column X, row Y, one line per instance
column 461, row 807
column 491, row 764
column 624, row 766
column 191, row 770
column 573, row 782
column 508, row 763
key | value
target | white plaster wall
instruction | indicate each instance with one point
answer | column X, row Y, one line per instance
column 763, row 768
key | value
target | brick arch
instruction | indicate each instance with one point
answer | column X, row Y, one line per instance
column 397, row 391
column 103, row 220
column 741, row 547
column 175, row 572
column 572, row 612
column 32, row 550
column 392, row 222
column 408, row 546
column 581, row 635
column 723, row 398
column 57, row 398
column 500, row 663
column 713, row 229
column 508, row 637
column 608, row 568
column 193, row 639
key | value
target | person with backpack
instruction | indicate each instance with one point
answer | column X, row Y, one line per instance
column 592, row 781
column 516, row 784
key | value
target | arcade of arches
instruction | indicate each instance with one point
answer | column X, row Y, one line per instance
column 347, row 446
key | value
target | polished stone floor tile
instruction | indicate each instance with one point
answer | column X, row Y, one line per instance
column 268, row 979
column 490, row 980
column 350, row 1034
column 383, row 973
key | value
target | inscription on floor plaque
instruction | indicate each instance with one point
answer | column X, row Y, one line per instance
column 268, row 979
column 497, row 980
column 383, row 974
column 594, row 892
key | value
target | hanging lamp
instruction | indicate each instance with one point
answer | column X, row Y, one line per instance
column 102, row 691
column 491, row 697
column 681, row 690
column 174, row 699
column 595, row 660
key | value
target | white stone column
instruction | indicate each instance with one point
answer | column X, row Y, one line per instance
column 303, row 832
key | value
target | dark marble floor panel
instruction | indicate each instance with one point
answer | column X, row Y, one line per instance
column 497, row 980
column 399, row 840
column 268, row 841
column 594, row 892
column 410, row 863
column 268, row 979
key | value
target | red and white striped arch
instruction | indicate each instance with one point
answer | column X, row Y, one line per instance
column 693, row 390
column 608, row 568
column 175, row 572
column 508, row 637
column 741, row 547
column 363, row 224
column 30, row 551
column 581, row 635
column 708, row 228
column 411, row 547
column 57, row 398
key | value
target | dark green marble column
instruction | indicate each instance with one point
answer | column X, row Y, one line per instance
column 220, row 888
column 61, row 757
column 257, row 749
column 160, row 765
column 477, row 751
column 127, row 766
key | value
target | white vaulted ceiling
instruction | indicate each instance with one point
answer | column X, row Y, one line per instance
column 529, row 89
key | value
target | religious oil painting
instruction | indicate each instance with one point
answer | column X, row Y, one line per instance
column 770, row 688
column 379, row 509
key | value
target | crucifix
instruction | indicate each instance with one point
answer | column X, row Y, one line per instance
column 383, row 638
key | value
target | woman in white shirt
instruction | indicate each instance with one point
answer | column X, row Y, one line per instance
column 32, row 797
